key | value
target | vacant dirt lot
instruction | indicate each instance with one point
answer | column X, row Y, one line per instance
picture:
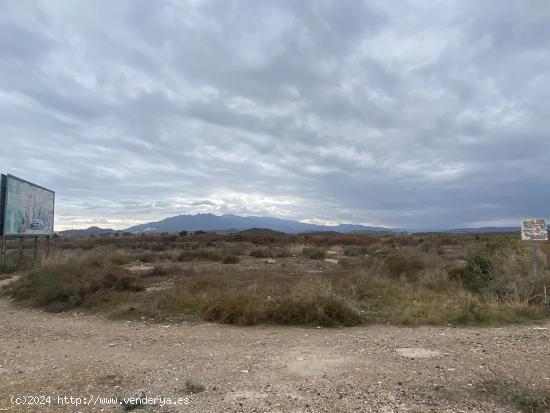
column 260, row 369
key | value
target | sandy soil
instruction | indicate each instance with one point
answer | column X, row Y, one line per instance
column 262, row 369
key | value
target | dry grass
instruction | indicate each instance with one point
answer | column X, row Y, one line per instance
column 525, row 391
column 401, row 279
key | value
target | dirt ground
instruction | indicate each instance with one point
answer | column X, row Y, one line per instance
column 260, row 369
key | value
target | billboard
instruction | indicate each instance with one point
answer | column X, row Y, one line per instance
column 28, row 209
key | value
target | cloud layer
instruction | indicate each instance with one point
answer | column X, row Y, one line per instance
column 417, row 114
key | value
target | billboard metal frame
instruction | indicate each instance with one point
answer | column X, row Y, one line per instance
column 3, row 189
column 4, row 208
column 3, row 216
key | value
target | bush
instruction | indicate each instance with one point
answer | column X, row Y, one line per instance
column 60, row 287
column 7, row 269
column 158, row 247
column 283, row 253
column 478, row 273
column 355, row 250
column 244, row 309
column 314, row 253
column 397, row 266
column 201, row 255
column 261, row 253
column 231, row 259
column 162, row 270
column 323, row 311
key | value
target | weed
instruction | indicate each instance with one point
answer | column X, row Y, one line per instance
column 399, row 265
column 231, row 259
column 355, row 250
column 314, row 253
column 163, row 270
column 206, row 254
column 194, row 387
column 261, row 253
column 523, row 391
column 133, row 403
column 7, row 269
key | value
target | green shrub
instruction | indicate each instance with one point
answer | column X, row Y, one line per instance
column 323, row 311
column 478, row 273
column 244, row 309
column 231, row 259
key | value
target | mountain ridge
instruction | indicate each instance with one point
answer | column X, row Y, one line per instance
column 233, row 223
column 211, row 222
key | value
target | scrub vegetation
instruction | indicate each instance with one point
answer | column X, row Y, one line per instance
column 311, row 279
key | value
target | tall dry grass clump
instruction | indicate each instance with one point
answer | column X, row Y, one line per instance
column 68, row 280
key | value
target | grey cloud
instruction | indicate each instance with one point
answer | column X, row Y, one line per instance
column 399, row 113
column 17, row 42
column 205, row 202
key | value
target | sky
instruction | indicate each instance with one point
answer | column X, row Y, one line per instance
column 396, row 113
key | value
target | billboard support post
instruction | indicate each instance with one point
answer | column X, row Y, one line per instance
column 20, row 250
column 35, row 249
column 3, row 252
column 47, row 246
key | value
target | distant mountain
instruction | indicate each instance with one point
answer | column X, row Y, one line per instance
column 210, row 222
column 88, row 232
column 230, row 223
column 483, row 230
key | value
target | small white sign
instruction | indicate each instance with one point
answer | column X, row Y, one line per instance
column 534, row 229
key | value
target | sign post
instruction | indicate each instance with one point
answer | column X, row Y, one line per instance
column 534, row 257
column 534, row 229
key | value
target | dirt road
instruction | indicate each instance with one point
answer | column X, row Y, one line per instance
column 261, row 369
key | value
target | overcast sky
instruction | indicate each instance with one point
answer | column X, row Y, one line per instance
column 417, row 114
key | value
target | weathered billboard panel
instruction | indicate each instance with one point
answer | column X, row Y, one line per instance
column 28, row 208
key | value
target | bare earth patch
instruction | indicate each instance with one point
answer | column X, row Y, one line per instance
column 420, row 353
column 262, row 369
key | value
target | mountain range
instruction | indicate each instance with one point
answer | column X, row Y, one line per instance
column 234, row 223
column 211, row 222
